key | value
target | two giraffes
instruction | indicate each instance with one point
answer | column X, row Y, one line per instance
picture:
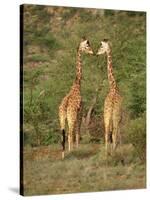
column 70, row 109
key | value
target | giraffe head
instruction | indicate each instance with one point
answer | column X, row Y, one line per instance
column 104, row 47
column 85, row 46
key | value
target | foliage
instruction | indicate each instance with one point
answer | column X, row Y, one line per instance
column 137, row 103
column 137, row 135
column 51, row 36
column 52, row 137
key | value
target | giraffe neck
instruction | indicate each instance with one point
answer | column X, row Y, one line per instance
column 78, row 68
column 111, row 79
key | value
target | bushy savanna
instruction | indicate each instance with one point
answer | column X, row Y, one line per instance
column 50, row 39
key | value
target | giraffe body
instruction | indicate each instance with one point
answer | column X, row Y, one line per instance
column 70, row 108
column 112, row 118
column 112, row 104
column 70, row 111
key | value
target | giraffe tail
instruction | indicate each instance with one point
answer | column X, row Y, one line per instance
column 63, row 143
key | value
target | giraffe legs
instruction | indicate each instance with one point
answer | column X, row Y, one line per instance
column 108, row 130
column 70, row 137
column 78, row 126
column 114, row 139
column 108, row 141
column 108, row 110
column 77, row 134
column 74, row 128
column 116, row 136
column 116, row 126
column 69, row 142
column 71, row 119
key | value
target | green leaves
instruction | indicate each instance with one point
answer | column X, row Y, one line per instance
column 137, row 135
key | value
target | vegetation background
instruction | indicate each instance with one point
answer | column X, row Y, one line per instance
column 50, row 39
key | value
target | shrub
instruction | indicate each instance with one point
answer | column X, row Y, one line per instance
column 52, row 138
column 137, row 135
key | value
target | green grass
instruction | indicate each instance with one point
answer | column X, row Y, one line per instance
column 83, row 170
column 37, row 58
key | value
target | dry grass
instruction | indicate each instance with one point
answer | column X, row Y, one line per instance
column 83, row 170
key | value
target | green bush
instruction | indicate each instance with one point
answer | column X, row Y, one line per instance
column 137, row 135
column 52, row 138
column 137, row 102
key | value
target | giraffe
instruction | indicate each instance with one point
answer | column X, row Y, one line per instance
column 71, row 105
column 112, row 103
